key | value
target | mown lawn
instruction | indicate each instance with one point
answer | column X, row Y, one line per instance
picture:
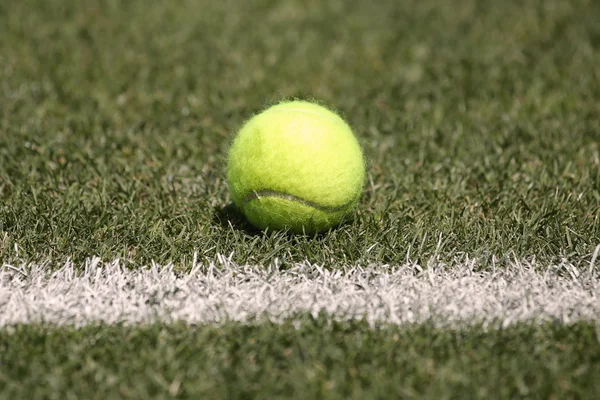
column 480, row 121
column 319, row 359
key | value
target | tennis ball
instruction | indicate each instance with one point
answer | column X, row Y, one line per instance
column 297, row 166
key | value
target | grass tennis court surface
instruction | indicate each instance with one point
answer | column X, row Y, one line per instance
column 470, row 270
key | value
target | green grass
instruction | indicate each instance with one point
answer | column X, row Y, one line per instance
column 480, row 120
column 317, row 360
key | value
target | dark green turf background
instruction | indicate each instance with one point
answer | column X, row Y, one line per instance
column 480, row 120
column 319, row 360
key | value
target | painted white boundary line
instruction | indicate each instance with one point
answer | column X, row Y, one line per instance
column 221, row 290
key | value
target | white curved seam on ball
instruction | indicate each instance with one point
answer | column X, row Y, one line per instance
column 257, row 194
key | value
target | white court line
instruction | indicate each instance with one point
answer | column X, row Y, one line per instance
column 221, row 291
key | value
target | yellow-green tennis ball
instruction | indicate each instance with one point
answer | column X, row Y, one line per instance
column 296, row 166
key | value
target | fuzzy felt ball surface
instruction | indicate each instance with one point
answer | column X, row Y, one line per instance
column 297, row 166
